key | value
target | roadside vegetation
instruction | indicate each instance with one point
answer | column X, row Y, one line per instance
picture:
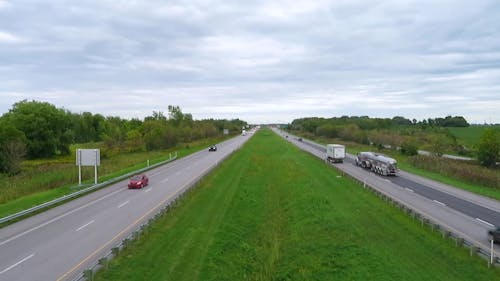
column 38, row 143
column 402, row 138
column 45, row 180
column 272, row 212
column 452, row 172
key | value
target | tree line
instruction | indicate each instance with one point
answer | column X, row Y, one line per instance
column 399, row 132
column 33, row 129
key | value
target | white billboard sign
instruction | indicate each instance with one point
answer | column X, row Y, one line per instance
column 88, row 157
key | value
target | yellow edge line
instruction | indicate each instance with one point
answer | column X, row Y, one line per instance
column 123, row 231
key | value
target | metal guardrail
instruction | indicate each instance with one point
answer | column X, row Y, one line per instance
column 88, row 274
column 83, row 191
column 446, row 231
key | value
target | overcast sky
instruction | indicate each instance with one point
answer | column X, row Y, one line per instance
column 260, row 61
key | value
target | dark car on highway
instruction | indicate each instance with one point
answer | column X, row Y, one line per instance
column 138, row 181
column 212, row 148
column 495, row 235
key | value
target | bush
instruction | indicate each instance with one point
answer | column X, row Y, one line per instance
column 489, row 147
column 409, row 147
column 463, row 170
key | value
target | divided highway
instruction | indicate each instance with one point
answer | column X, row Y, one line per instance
column 60, row 243
column 468, row 214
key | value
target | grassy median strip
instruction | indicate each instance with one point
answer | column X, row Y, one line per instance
column 272, row 212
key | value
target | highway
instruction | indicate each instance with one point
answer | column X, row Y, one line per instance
column 468, row 214
column 60, row 243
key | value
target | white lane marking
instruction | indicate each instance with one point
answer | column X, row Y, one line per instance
column 165, row 180
column 85, row 225
column 16, row 264
column 409, row 189
column 387, row 180
column 148, row 190
column 58, row 218
column 485, row 222
column 440, row 203
column 122, row 204
column 63, row 277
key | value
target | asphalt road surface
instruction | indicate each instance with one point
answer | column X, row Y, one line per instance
column 60, row 243
column 467, row 214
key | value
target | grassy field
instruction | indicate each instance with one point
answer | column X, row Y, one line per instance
column 44, row 180
column 272, row 212
column 469, row 136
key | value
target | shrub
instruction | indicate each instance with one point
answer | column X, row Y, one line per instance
column 463, row 170
column 409, row 147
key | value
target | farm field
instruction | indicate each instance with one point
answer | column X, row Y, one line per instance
column 469, row 136
column 272, row 212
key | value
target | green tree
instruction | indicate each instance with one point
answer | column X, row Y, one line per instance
column 12, row 148
column 134, row 141
column 328, row 130
column 46, row 127
column 409, row 147
column 175, row 115
column 489, row 147
column 115, row 134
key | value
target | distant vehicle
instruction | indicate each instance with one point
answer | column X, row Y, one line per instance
column 299, row 139
column 335, row 153
column 212, row 148
column 243, row 132
column 378, row 163
column 138, row 181
column 495, row 235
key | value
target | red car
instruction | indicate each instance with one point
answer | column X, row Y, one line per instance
column 138, row 181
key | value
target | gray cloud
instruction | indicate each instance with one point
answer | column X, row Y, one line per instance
column 262, row 61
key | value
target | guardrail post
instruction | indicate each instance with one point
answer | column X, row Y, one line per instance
column 103, row 262
column 473, row 249
column 88, row 274
column 492, row 254
column 125, row 242
column 115, row 251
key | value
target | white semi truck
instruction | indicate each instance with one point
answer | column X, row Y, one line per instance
column 335, row 153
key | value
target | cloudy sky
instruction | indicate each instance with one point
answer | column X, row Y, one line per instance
column 260, row 61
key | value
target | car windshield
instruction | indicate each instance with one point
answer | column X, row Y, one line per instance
column 136, row 178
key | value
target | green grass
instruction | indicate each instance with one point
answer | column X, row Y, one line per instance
column 272, row 212
column 45, row 180
column 469, row 136
column 405, row 165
